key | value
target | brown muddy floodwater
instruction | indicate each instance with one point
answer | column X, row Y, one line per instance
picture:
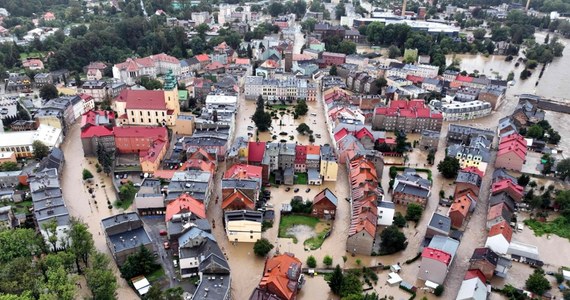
column 83, row 206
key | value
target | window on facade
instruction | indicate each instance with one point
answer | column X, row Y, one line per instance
column 140, row 113
column 133, row 120
column 163, row 114
column 142, row 120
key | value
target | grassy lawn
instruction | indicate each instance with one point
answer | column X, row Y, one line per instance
column 156, row 275
column 301, row 178
column 559, row 227
column 19, row 208
column 292, row 220
column 316, row 242
column 31, row 54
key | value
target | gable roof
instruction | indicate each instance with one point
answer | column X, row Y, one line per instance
column 185, row 203
column 507, row 185
column 243, row 171
column 240, row 199
column 256, row 150
column 280, row 276
column 461, row 205
column 325, row 194
column 502, row 228
column 142, row 99
column 437, row 254
column 485, row 254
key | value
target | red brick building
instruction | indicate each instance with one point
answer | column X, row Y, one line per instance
column 331, row 58
column 324, row 205
column 137, row 139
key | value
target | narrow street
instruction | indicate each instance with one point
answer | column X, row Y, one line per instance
column 82, row 206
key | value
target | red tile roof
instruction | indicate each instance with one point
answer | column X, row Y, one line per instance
column 314, row 149
column 276, row 276
column 474, row 170
column 242, row 61
column 300, row 154
column 98, row 131
column 140, row 132
column 513, row 143
column 243, row 171
column 362, row 133
column 460, row 205
column 141, row 99
column 152, row 153
column 415, row 79
column 90, row 117
column 475, row 273
column 503, row 229
column 514, row 190
column 238, row 200
column 202, row 57
column 496, row 211
column 340, row 134
column 256, row 150
column 185, row 203
column 437, row 254
column 214, row 66
column 464, row 78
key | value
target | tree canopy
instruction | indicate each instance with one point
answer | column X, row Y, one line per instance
column 262, row 247
column 449, row 167
column 537, row 283
column 40, row 149
column 48, row 91
column 261, row 118
column 392, row 240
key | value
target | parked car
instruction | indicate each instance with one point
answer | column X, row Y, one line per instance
column 295, row 190
column 307, row 190
column 287, row 189
column 163, row 232
column 175, row 263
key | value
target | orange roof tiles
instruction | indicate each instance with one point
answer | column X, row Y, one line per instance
column 461, row 205
column 243, row 171
column 185, row 203
column 503, row 229
column 238, row 200
column 276, row 277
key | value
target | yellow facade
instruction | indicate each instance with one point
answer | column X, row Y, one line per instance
column 185, row 125
column 329, row 170
column 52, row 121
column 466, row 162
column 243, row 231
column 148, row 117
column 150, row 166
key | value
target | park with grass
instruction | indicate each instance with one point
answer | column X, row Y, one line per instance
column 310, row 230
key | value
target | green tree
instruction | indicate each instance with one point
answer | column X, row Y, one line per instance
column 392, row 240
column 261, row 118
column 48, row 91
column 401, row 142
column 438, row 290
column 449, row 167
column 50, row 228
column 380, row 84
column 563, row 168
column 335, row 281
column 311, row 262
column 275, row 9
column 127, row 191
column 399, row 220
column 59, row 285
column 81, row 244
column 431, row 156
column 537, row 283
column 350, row 285
column 414, row 212
column 100, row 278
column 301, row 108
column 87, row 174
column 479, row 33
column 19, row 243
column 563, row 201
column 141, row 262
column 105, row 158
column 262, row 247
column 303, row 128
column 394, row 52
column 154, row 293
column 328, row 260
column 333, row 71
column 9, row 166
column 525, row 74
column 40, row 149
column 309, row 24
column 150, row 83
column 523, row 180
column 340, row 10
column 535, row 132
column 173, row 293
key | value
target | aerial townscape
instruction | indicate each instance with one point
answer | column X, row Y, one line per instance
column 284, row 150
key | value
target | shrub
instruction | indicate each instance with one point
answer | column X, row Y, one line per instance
column 311, row 262
column 262, row 247
column 327, row 260
column 87, row 174
column 438, row 290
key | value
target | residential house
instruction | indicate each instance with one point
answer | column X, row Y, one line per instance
column 515, row 191
column 524, row 253
column 492, row 95
column 411, row 188
column 330, row 58
column 386, row 212
column 527, row 113
column 193, row 247
column 512, row 152
column 42, row 79
column 313, row 157
column 243, row 226
column 96, row 89
column 88, row 102
column 407, row 116
column 506, row 127
column 277, row 91
column 498, row 214
column 456, row 111
column 7, row 218
column 476, row 154
column 473, row 287
column 460, row 209
column 185, row 204
column 240, row 187
column 255, row 156
column 329, row 165
column 437, row 258
column 325, row 204
column 60, row 112
column 502, row 197
column 300, row 158
column 124, row 235
column 95, row 70
column 438, row 225
column 149, row 200
column 33, row 64
column 281, row 279
column 54, row 160
column 469, row 178
column 429, row 139
column 462, row 134
column 499, row 237
column 484, row 260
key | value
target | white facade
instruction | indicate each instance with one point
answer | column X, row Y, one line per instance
column 385, row 215
column 457, row 111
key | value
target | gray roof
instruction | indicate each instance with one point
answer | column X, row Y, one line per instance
column 466, row 130
column 176, row 227
column 502, row 197
column 329, row 195
column 213, row 287
column 468, row 177
column 313, row 174
column 443, row 243
column 387, row 204
column 246, row 215
column 412, row 190
column 327, row 153
column 131, row 239
column 430, row 133
column 499, row 174
column 440, row 222
column 453, row 150
column 120, row 218
column 240, row 184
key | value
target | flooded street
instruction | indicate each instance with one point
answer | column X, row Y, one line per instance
column 82, row 206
